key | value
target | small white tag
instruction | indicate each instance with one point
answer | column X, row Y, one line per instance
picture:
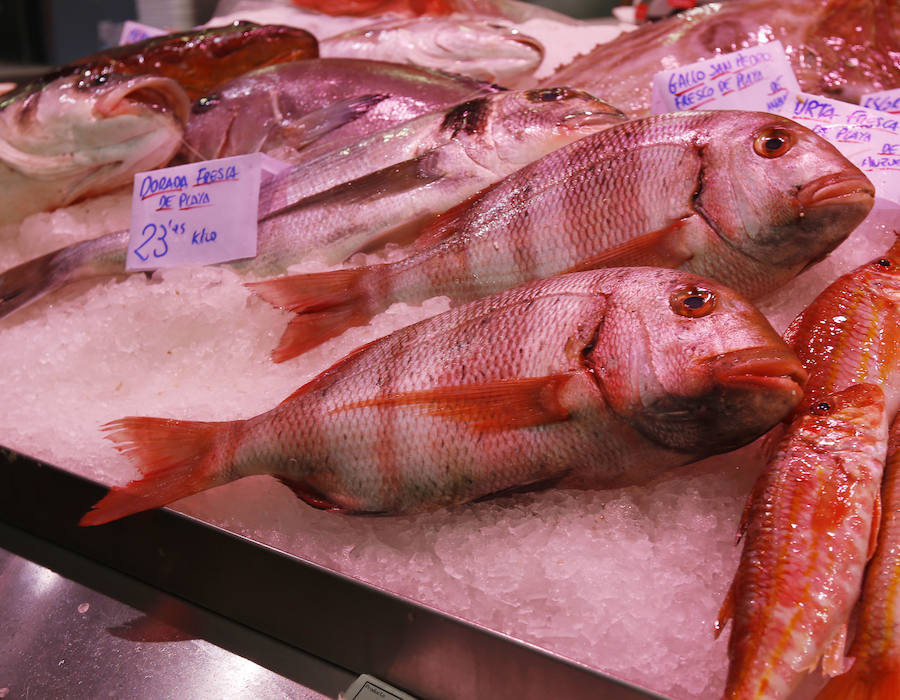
column 197, row 214
column 868, row 138
column 133, row 32
column 884, row 101
column 758, row 78
column 368, row 688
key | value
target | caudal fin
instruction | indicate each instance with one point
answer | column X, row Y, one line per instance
column 327, row 304
column 177, row 458
column 860, row 683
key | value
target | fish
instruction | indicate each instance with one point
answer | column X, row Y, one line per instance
column 837, row 48
column 507, row 9
column 420, row 167
column 199, row 59
column 79, row 137
column 808, row 531
column 658, row 191
column 259, row 110
column 848, row 337
column 875, row 651
column 589, row 380
column 479, row 48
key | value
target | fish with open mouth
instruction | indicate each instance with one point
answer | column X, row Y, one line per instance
column 593, row 379
column 80, row 136
column 658, row 191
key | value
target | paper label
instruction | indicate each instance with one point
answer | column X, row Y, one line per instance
column 884, row 101
column 135, row 31
column 367, row 687
column 757, row 78
column 868, row 138
column 197, row 214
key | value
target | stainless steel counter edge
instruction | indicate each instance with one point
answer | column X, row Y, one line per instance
column 344, row 621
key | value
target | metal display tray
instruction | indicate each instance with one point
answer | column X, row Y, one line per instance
column 344, row 621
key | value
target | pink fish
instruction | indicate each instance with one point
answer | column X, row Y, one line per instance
column 593, row 379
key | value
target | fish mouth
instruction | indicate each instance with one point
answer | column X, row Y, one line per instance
column 600, row 114
column 843, row 187
column 157, row 93
column 762, row 367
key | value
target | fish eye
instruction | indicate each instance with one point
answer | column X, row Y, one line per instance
column 883, row 264
column 773, row 142
column 89, row 80
column 205, row 103
column 693, row 302
column 548, row 94
column 821, row 408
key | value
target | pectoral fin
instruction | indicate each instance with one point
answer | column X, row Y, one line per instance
column 662, row 248
column 499, row 405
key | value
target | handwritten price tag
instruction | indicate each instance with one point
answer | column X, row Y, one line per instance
column 758, row 78
column 197, row 214
column 868, row 138
column 884, row 101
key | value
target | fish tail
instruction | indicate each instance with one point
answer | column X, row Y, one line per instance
column 327, row 304
column 29, row 281
column 176, row 458
column 860, row 683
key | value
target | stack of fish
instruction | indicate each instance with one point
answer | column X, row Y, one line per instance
column 599, row 268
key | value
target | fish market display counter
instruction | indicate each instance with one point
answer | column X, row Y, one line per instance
column 256, row 601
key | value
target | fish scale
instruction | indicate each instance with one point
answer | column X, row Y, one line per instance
column 540, row 383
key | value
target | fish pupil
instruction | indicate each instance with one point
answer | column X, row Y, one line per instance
column 821, row 408
column 774, row 143
column 549, row 94
column 884, row 262
column 205, row 103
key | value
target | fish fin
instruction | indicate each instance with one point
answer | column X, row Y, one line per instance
column 498, row 405
column 833, row 660
column 313, row 498
column 299, row 133
column 860, row 683
column 726, row 611
column 22, row 284
column 662, row 248
column 445, row 225
column 404, row 234
column 328, row 303
column 173, row 456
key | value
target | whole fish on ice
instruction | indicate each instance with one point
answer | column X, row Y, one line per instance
column 875, row 652
column 418, row 168
column 808, row 531
column 80, row 136
column 658, row 191
column 838, row 48
column 317, row 105
column 198, row 59
column 823, row 497
column 475, row 47
column 592, row 379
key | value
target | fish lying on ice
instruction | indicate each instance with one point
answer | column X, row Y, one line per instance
column 658, row 191
column 77, row 137
column 808, row 531
column 875, row 651
column 599, row 378
column 839, row 48
column 259, row 111
column 475, row 47
column 199, row 60
column 424, row 166
column 820, row 493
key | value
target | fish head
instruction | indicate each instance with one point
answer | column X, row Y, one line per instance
column 691, row 364
column 508, row 130
column 94, row 130
column 776, row 191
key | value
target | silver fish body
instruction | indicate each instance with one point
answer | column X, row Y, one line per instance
column 479, row 48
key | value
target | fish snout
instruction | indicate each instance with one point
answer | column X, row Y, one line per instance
column 760, row 367
column 844, row 187
column 596, row 113
column 135, row 94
